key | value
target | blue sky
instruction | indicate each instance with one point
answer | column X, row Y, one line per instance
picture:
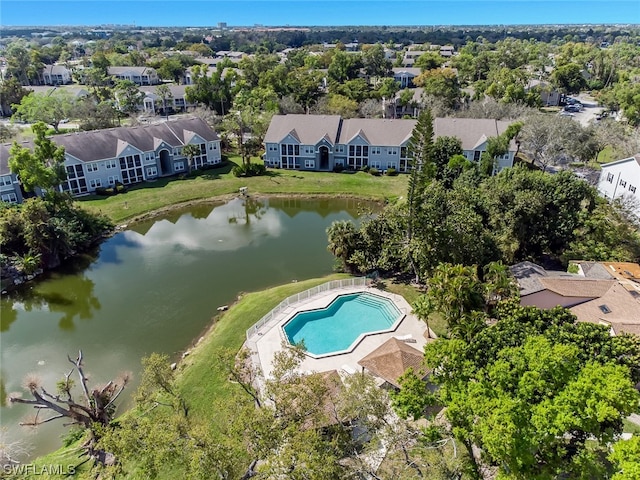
column 311, row 12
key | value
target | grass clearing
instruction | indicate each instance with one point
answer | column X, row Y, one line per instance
column 220, row 182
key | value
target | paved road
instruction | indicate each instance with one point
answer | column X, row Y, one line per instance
column 590, row 111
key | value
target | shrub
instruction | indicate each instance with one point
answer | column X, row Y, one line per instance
column 374, row 171
column 365, row 168
column 338, row 168
column 250, row 170
column 105, row 191
column 391, row 172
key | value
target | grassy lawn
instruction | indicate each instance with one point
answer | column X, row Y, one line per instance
column 220, row 182
column 411, row 294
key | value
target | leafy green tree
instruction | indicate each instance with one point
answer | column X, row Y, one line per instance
column 343, row 67
column 374, row 62
column 50, row 108
column 11, row 93
column 171, row 69
column 413, row 398
column 305, row 86
column 429, row 61
column 445, row 148
column 44, row 167
column 129, row 97
column 568, row 78
column 625, row 456
column 92, row 115
column 527, row 392
column 441, row 83
column 213, row 91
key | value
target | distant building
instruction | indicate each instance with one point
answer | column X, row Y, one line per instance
column 101, row 158
column 324, row 142
column 621, row 180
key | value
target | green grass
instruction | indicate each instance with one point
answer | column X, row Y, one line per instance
column 220, row 182
column 630, row 427
column 606, row 155
column 411, row 294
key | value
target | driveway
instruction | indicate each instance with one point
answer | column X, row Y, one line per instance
column 589, row 112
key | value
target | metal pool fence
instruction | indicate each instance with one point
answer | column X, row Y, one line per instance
column 298, row 297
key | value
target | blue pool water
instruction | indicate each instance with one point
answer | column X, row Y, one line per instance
column 337, row 326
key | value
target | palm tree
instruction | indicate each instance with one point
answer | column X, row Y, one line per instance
column 342, row 237
column 191, row 151
column 498, row 284
column 422, row 308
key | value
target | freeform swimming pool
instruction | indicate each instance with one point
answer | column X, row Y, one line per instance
column 343, row 323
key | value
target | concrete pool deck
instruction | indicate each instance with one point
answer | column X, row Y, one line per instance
column 270, row 337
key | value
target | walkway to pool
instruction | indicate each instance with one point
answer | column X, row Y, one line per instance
column 267, row 337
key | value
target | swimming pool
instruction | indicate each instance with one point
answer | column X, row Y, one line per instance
column 341, row 325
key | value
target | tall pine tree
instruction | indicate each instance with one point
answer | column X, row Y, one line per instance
column 422, row 165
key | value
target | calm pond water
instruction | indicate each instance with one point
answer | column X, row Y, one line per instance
column 155, row 288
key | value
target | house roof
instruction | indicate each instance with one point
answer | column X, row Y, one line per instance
column 391, row 359
column 635, row 158
column 406, row 71
column 528, row 276
column 617, row 306
column 469, row 130
column 100, row 144
column 577, row 286
column 136, row 70
column 177, row 91
column 309, row 129
column 377, row 131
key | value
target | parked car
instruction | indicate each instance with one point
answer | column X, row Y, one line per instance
column 572, row 108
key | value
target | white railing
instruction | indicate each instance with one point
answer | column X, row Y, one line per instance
column 293, row 299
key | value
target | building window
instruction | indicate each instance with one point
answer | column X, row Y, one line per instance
column 623, row 183
column 92, row 167
column 110, row 164
column 358, row 156
column 403, row 152
column 392, row 151
column 9, row 197
column 309, row 164
column 5, row 181
column 178, row 166
column 375, row 164
column 376, row 150
column 76, row 182
column 113, row 179
column 339, row 148
column 610, row 177
column 95, row 183
column 632, row 189
column 152, row 171
column 391, row 165
column 289, row 156
column 476, row 155
column 131, row 169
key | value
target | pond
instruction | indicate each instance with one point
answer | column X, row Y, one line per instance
column 154, row 288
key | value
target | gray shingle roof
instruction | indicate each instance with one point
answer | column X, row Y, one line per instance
column 309, row 129
column 101, row 144
column 378, row 131
column 471, row 131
